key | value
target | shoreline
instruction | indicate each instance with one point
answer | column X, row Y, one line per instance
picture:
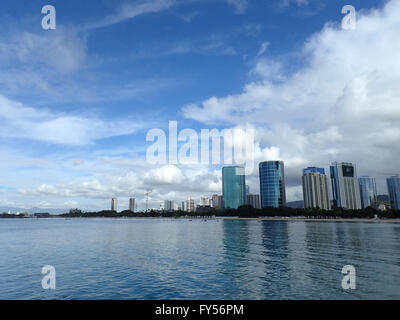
column 235, row 218
column 313, row 219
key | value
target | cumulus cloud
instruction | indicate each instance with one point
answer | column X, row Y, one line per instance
column 166, row 182
column 20, row 121
column 342, row 104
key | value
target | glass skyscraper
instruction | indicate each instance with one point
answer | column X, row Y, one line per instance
column 367, row 191
column 233, row 187
column 272, row 184
column 393, row 184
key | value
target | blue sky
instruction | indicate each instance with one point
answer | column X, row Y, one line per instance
column 76, row 102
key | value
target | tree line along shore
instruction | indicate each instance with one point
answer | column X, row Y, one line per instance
column 241, row 212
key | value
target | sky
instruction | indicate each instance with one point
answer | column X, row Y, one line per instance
column 77, row 102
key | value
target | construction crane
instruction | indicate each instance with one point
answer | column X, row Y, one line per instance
column 147, row 199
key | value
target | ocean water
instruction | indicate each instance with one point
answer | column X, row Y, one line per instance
column 213, row 259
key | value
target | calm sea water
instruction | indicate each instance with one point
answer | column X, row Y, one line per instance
column 182, row 259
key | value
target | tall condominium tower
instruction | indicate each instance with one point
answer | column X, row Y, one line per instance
column 114, row 204
column 345, row 187
column 132, row 204
column 233, row 187
column 272, row 184
column 214, row 201
column 393, row 184
column 220, row 202
column 367, row 191
column 315, row 188
column 253, row 200
column 190, row 205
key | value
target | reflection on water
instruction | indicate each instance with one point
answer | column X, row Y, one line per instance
column 214, row 259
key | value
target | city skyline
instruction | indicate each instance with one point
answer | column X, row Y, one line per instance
column 308, row 186
column 347, row 191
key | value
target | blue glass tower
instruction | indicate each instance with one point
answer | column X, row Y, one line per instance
column 367, row 191
column 272, row 184
column 393, row 184
column 233, row 187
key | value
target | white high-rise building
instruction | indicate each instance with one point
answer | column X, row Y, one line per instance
column 205, row 201
column 345, row 186
column 190, row 205
column 114, row 204
column 132, row 204
column 315, row 189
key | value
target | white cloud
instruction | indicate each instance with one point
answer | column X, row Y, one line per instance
column 342, row 104
column 63, row 50
column 20, row 121
column 130, row 10
column 116, row 178
column 264, row 46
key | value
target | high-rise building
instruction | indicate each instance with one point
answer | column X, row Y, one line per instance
column 393, row 184
column 253, row 200
column 368, row 192
column 272, row 184
column 315, row 188
column 132, row 204
column 190, row 205
column 214, row 201
column 217, row 201
column 169, row 205
column 221, row 202
column 114, row 204
column 345, row 187
column 233, row 187
column 205, row 201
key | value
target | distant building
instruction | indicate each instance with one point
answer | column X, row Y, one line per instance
column 214, row 201
column 114, row 204
column 132, row 204
column 169, row 205
column 315, row 188
column 247, row 189
column 233, row 187
column 393, row 184
column 190, row 207
column 183, row 207
column 272, row 184
column 253, row 200
column 368, row 192
column 217, row 201
column 205, row 201
column 221, row 202
column 345, row 187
